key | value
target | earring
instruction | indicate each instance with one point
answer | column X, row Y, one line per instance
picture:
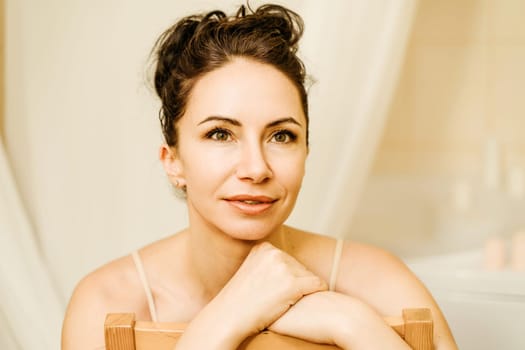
column 177, row 183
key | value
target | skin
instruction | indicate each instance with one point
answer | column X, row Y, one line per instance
column 241, row 155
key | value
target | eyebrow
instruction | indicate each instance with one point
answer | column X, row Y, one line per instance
column 238, row 123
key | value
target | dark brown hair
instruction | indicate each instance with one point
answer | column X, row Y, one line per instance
column 198, row 44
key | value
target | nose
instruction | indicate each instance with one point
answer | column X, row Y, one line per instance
column 253, row 165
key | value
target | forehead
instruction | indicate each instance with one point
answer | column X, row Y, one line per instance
column 245, row 89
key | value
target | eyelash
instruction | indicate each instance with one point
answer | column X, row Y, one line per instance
column 213, row 132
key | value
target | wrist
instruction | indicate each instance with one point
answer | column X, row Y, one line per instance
column 344, row 324
column 360, row 326
column 213, row 328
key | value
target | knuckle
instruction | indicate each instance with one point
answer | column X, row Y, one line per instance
column 281, row 270
column 265, row 245
column 274, row 255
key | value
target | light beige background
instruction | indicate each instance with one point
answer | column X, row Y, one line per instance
column 463, row 83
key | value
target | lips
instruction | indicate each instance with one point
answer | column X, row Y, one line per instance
column 250, row 204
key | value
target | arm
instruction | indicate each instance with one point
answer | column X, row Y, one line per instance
column 111, row 288
column 84, row 316
column 371, row 283
column 277, row 279
column 388, row 285
column 338, row 319
column 268, row 282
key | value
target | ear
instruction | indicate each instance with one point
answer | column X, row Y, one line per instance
column 172, row 165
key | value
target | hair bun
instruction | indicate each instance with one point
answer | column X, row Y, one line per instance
column 278, row 19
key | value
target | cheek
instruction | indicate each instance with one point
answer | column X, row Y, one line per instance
column 290, row 171
column 206, row 165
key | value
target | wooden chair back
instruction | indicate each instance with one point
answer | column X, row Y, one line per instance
column 123, row 332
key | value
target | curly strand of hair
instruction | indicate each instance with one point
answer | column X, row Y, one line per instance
column 291, row 20
column 216, row 15
column 241, row 12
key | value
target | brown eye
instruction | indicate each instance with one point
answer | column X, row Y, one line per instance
column 283, row 136
column 219, row 134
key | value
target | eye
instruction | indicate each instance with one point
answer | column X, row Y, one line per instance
column 219, row 134
column 284, row 136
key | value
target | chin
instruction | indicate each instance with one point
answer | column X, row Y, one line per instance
column 251, row 232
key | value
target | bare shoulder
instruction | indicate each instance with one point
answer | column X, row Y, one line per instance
column 367, row 272
column 113, row 287
column 361, row 266
column 379, row 277
column 372, row 275
column 385, row 283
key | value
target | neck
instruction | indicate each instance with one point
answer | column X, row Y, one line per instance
column 215, row 257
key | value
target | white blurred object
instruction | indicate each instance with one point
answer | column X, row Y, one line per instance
column 492, row 164
column 518, row 251
column 495, row 255
column 485, row 309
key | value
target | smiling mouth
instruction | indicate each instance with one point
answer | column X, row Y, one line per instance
column 251, row 205
column 251, row 199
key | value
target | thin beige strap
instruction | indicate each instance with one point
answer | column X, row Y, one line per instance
column 145, row 284
column 335, row 263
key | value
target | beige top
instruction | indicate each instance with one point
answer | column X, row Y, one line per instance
column 149, row 295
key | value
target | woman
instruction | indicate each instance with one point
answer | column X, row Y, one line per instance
column 235, row 120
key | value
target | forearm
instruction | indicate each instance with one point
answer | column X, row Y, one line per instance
column 360, row 327
column 334, row 318
column 212, row 329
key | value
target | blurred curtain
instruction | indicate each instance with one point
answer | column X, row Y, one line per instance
column 30, row 309
column 355, row 50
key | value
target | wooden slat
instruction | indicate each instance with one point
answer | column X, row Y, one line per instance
column 419, row 328
column 118, row 332
column 164, row 336
column 123, row 333
column 157, row 335
column 270, row 340
column 397, row 324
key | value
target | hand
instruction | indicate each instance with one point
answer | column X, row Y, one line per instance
column 268, row 282
column 315, row 318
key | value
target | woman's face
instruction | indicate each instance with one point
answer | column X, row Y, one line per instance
column 241, row 151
